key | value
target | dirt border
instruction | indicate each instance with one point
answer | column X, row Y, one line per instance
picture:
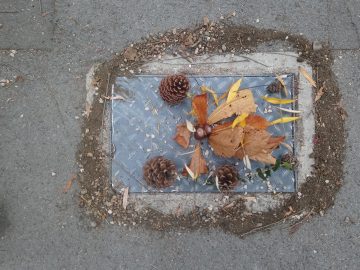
column 314, row 196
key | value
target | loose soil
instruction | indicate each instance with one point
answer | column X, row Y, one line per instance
column 315, row 196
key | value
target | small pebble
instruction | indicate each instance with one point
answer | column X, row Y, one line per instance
column 317, row 45
column 93, row 224
column 53, row 174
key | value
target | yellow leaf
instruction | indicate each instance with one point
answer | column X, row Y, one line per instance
column 283, row 84
column 274, row 100
column 233, row 91
column 307, row 76
column 239, row 120
column 212, row 92
column 284, row 120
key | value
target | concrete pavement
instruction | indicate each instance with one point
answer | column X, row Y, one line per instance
column 40, row 118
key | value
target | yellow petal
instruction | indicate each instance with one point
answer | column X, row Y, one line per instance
column 239, row 120
column 212, row 92
column 284, row 120
column 274, row 100
column 233, row 91
column 307, row 76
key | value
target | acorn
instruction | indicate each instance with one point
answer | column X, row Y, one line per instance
column 275, row 87
column 159, row 172
column 174, row 88
column 199, row 133
column 208, row 129
column 226, row 178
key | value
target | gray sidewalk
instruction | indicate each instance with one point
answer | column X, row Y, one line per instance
column 40, row 117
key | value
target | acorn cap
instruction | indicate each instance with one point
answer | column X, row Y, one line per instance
column 159, row 172
column 174, row 88
column 226, row 178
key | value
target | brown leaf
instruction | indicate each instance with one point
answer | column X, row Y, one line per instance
column 131, row 54
column 198, row 163
column 69, row 183
column 226, row 140
column 182, row 136
column 199, row 105
column 257, row 121
column 125, row 201
column 307, row 76
column 242, row 103
column 319, row 93
column 258, row 145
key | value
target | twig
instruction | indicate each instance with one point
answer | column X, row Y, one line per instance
column 293, row 228
column 103, row 113
column 264, row 227
column 41, row 7
column 9, row 11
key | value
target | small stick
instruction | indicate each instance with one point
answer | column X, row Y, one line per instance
column 41, row 7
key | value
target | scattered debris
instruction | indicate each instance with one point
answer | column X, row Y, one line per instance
column 319, row 93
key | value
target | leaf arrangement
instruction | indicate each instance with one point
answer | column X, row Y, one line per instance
column 233, row 130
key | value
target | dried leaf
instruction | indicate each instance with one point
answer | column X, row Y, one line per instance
column 247, row 162
column 199, row 105
column 320, row 93
column 182, row 136
column 69, row 183
column 234, row 88
column 225, row 140
column 284, row 120
column 197, row 165
column 190, row 126
column 239, row 120
column 190, row 172
column 307, row 76
column 280, row 79
column 258, row 145
column 257, row 121
column 212, row 92
column 287, row 110
column 125, row 201
column 274, row 100
column 242, row 103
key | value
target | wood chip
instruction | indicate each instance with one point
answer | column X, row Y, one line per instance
column 69, row 183
column 125, row 198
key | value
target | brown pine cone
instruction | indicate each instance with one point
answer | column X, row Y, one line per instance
column 275, row 87
column 226, row 177
column 173, row 88
column 159, row 172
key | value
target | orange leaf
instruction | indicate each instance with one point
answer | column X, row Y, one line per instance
column 242, row 103
column 200, row 104
column 182, row 136
column 258, row 145
column 226, row 140
column 198, row 163
column 257, row 121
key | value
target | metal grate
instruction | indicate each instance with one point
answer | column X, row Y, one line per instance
column 143, row 126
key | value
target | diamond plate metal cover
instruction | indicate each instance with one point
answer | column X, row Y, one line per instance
column 143, row 127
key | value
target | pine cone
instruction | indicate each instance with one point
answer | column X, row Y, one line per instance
column 159, row 172
column 227, row 177
column 275, row 87
column 173, row 88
